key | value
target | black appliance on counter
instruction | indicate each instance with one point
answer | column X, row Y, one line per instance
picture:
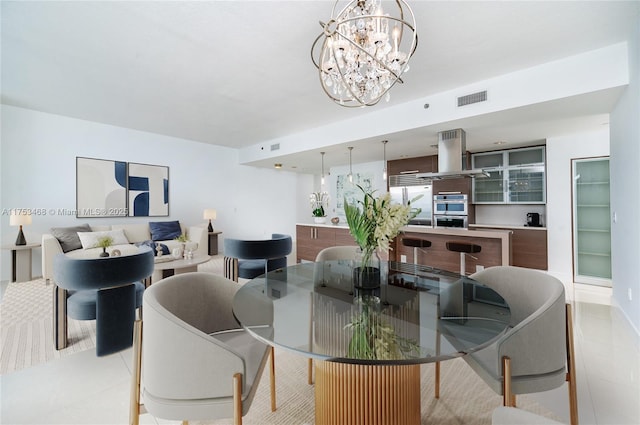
column 533, row 220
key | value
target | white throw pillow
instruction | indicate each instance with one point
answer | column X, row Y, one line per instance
column 90, row 239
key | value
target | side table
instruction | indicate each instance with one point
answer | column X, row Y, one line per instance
column 213, row 242
column 21, row 261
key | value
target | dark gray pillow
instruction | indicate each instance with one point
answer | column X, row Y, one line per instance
column 68, row 236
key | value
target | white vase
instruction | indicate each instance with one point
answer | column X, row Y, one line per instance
column 319, row 220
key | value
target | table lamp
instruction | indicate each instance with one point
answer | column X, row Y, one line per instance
column 18, row 218
column 210, row 214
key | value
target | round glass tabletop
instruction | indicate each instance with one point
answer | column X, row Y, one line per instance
column 415, row 314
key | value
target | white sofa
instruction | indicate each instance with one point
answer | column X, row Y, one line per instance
column 135, row 233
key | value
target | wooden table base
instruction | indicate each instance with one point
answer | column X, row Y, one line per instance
column 349, row 394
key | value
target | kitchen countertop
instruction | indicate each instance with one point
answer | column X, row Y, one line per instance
column 505, row 226
column 493, row 234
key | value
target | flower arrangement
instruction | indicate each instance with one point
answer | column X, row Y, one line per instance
column 319, row 201
column 376, row 221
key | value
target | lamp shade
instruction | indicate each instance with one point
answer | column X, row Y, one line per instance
column 209, row 214
column 19, row 218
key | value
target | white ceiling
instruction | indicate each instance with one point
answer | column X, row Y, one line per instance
column 235, row 73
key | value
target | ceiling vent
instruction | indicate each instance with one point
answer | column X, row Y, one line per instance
column 275, row 147
column 468, row 99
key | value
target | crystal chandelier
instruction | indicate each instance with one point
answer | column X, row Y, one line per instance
column 364, row 51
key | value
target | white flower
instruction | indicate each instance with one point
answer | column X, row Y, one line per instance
column 319, row 202
column 378, row 221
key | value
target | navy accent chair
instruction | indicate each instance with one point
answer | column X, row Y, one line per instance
column 108, row 290
column 249, row 259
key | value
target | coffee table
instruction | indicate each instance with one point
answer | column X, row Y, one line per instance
column 165, row 268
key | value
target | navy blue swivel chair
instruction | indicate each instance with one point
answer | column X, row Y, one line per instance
column 108, row 290
column 249, row 259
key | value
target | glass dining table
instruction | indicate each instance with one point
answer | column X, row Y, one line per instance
column 368, row 343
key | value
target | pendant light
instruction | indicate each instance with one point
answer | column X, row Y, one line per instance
column 384, row 159
column 322, row 176
column 350, row 169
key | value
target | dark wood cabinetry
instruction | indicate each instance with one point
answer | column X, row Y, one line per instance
column 419, row 164
column 528, row 246
column 462, row 185
column 310, row 240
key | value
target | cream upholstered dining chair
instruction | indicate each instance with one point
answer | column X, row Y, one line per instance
column 332, row 253
column 193, row 360
column 536, row 352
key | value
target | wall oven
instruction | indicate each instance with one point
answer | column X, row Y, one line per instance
column 450, row 221
column 450, row 204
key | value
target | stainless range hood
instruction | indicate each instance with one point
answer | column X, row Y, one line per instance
column 452, row 155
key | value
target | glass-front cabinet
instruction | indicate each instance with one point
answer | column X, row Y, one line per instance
column 591, row 221
column 516, row 176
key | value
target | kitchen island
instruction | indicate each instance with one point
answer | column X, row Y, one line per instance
column 495, row 245
column 495, row 248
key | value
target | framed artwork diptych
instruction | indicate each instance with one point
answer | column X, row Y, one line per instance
column 107, row 188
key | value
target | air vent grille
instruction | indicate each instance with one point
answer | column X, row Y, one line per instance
column 275, row 146
column 468, row 99
column 449, row 134
column 405, row 180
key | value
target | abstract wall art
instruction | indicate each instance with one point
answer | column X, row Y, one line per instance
column 350, row 191
column 101, row 188
column 148, row 190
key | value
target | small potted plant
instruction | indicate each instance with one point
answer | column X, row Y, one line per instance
column 183, row 239
column 319, row 202
column 104, row 242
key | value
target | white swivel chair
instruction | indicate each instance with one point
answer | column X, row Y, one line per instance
column 196, row 362
column 536, row 353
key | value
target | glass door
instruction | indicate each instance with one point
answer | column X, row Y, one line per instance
column 591, row 221
column 490, row 189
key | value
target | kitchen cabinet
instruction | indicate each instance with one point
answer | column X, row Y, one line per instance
column 310, row 240
column 462, row 185
column 591, row 221
column 528, row 245
column 420, row 164
column 516, row 176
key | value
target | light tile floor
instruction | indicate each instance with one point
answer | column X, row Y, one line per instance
column 84, row 389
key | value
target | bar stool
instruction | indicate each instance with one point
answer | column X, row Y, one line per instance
column 464, row 249
column 416, row 243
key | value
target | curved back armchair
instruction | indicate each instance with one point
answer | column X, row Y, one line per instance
column 536, row 353
column 196, row 363
column 248, row 259
column 107, row 290
column 334, row 279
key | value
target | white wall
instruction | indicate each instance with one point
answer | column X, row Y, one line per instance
column 560, row 151
column 38, row 171
column 625, row 190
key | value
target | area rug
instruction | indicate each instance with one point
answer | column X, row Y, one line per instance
column 26, row 331
column 464, row 398
column 26, row 324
